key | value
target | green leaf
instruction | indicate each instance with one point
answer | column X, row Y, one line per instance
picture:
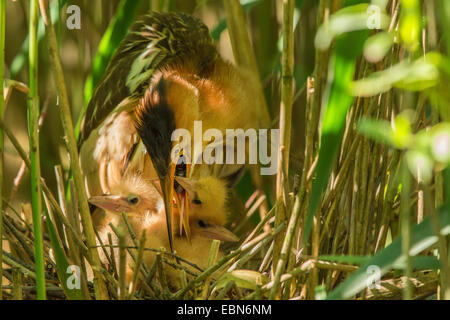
column 423, row 237
column 420, row 164
column 348, row 19
column 378, row 130
column 422, row 75
column 440, row 142
column 377, row 46
column 356, row 260
column 410, row 24
column 402, row 131
column 417, row 76
column 419, row 262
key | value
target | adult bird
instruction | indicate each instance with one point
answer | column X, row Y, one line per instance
column 170, row 57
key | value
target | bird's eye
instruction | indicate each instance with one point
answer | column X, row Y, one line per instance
column 201, row 224
column 133, row 200
column 196, row 201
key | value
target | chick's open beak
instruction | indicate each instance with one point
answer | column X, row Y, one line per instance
column 113, row 203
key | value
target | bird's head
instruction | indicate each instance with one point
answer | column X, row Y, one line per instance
column 163, row 108
column 132, row 194
column 207, row 198
column 207, row 204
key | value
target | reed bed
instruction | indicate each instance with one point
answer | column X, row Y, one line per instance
column 358, row 208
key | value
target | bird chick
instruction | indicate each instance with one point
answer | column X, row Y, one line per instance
column 126, row 196
column 143, row 205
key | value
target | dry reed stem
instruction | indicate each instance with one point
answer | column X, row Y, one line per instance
column 245, row 57
column 287, row 90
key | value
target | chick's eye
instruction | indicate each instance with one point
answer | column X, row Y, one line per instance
column 196, row 201
column 202, row 224
column 133, row 200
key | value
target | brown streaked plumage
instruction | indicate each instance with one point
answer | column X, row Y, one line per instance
column 156, row 41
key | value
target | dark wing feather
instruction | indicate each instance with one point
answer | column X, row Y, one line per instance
column 155, row 42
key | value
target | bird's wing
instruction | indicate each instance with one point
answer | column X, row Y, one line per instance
column 103, row 154
column 156, row 41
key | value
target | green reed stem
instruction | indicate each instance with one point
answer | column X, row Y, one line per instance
column 35, row 174
column 406, row 229
column 2, row 62
column 287, row 85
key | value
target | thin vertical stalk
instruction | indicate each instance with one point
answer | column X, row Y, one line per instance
column 67, row 123
column 447, row 199
column 242, row 48
column 75, row 223
column 438, row 178
column 213, row 252
column 122, row 264
column 443, row 7
column 287, row 86
column 442, row 245
column 406, row 229
column 2, row 62
column 137, row 266
column 35, row 175
column 245, row 57
column 17, row 282
column 286, row 248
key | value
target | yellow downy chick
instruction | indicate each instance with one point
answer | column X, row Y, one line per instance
column 145, row 211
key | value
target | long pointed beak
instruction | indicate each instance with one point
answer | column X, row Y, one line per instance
column 218, row 233
column 167, row 191
column 113, row 203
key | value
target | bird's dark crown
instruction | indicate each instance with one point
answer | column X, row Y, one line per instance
column 155, row 122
